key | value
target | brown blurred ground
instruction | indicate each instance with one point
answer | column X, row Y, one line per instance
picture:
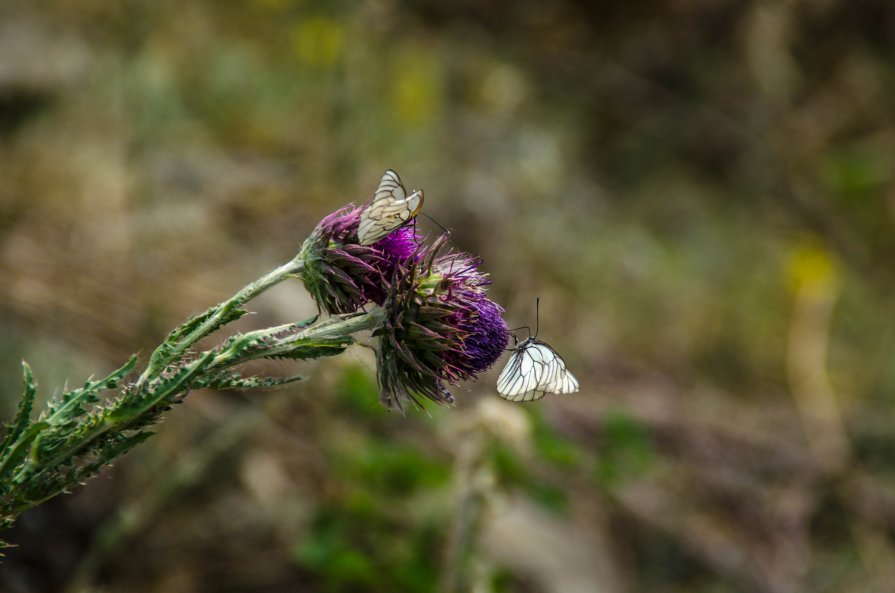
column 700, row 192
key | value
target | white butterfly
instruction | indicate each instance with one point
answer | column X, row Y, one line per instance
column 534, row 370
column 390, row 209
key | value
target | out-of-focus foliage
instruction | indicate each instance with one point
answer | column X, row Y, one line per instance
column 700, row 193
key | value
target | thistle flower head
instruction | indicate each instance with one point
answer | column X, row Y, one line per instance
column 440, row 327
column 343, row 275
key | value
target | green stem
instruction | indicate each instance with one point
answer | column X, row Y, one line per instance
column 133, row 418
column 161, row 358
column 342, row 325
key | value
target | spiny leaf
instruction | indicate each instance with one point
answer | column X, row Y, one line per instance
column 112, row 380
column 249, row 345
column 70, row 406
column 125, row 413
column 308, row 348
column 112, row 448
column 183, row 336
column 227, row 314
column 161, row 391
column 20, row 447
column 191, row 324
column 238, row 345
column 235, row 381
column 23, row 416
column 230, row 315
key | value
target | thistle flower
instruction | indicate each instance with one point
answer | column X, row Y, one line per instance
column 343, row 275
column 440, row 327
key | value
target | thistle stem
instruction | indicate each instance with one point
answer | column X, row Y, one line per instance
column 166, row 380
column 333, row 327
column 136, row 414
column 165, row 353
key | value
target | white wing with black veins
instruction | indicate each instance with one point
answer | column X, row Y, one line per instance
column 391, row 208
column 534, row 370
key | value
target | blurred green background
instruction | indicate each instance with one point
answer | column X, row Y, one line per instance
column 701, row 193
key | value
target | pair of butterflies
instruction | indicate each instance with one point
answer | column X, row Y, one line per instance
column 535, row 369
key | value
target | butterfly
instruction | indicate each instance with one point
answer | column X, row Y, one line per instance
column 390, row 209
column 534, row 370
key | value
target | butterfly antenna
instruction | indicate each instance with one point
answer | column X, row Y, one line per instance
column 515, row 329
column 436, row 222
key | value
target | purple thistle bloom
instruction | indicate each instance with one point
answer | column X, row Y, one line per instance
column 440, row 327
column 343, row 275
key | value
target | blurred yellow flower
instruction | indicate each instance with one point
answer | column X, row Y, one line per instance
column 417, row 89
column 812, row 268
column 318, row 41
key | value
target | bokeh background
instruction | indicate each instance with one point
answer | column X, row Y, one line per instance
column 701, row 193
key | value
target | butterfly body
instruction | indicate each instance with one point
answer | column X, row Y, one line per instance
column 390, row 209
column 534, row 370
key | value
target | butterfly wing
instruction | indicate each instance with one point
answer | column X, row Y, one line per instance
column 391, row 208
column 564, row 382
column 534, row 370
column 518, row 379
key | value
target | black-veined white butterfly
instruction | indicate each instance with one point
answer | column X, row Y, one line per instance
column 534, row 370
column 390, row 209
